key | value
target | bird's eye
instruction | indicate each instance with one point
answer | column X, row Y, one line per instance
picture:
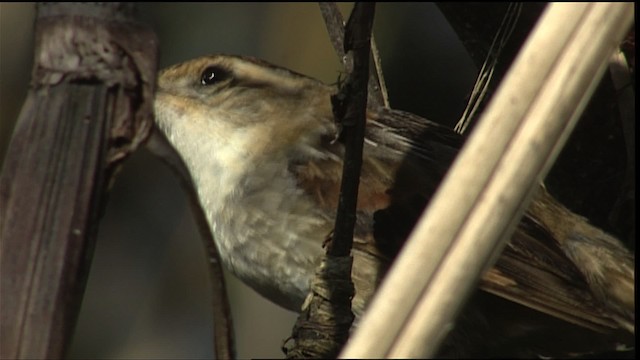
column 213, row 75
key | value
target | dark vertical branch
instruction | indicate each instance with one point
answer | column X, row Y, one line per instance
column 350, row 106
column 88, row 108
column 323, row 326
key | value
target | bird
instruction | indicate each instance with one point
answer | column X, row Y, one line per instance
column 260, row 146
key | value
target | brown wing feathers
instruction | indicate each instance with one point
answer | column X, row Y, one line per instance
column 407, row 157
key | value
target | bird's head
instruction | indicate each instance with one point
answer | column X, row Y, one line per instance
column 227, row 115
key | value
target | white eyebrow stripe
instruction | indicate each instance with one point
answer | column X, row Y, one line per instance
column 279, row 78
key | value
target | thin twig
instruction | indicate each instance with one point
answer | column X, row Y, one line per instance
column 223, row 336
column 485, row 75
column 335, row 26
column 377, row 91
column 377, row 85
column 622, row 78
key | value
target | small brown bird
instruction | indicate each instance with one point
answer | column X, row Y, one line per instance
column 261, row 148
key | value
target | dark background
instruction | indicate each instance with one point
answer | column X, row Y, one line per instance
column 147, row 294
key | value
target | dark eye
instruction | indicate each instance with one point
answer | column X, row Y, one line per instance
column 213, row 75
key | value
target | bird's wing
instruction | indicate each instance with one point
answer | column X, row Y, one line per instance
column 537, row 268
column 407, row 156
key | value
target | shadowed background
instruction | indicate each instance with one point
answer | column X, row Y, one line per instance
column 147, row 294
